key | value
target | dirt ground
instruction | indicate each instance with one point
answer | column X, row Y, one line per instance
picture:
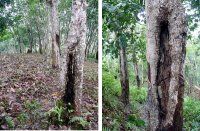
column 29, row 88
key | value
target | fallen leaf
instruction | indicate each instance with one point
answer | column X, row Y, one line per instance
column 12, row 89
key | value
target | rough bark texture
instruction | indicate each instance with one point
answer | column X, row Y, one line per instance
column 165, row 55
column 75, row 54
column 55, row 34
column 124, row 77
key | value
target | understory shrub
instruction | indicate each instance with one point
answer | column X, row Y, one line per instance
column 113, row 111
column 138, row 94
column 191, row 114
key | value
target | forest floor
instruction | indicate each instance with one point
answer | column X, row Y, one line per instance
column 29, row 89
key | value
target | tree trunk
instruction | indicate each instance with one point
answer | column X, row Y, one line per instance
column 124, row 77
column 97, row 56
column 135, row 64
column 20, row 45
column 40, row 44
column 39, row 37
column 166, row 38
column 74, row 55
column 137, row 74
column 30, row 50
column 86, row 51
column 55, row 34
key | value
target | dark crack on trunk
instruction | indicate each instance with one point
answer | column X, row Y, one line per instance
column 69, row 90
column 164, row 72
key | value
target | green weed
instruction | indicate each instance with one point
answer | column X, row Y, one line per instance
column 10, row 122
column 191, row 114
column 138, row 95
column 31, row 105
column 22, row 118
column 78, row 122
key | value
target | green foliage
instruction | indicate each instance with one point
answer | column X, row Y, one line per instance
column 78, row 122
column 112, row 90
column 105, row 129
column 115, row 124
column 114, row 111
column 135, row 120
column 119, row 19
column 191, row 114
column 56, row 114
column 108, row 81
column 22, row 118
column 31, row 105
column 138, row 94
column 91, row 56
column 62, row 114
column 10, row 122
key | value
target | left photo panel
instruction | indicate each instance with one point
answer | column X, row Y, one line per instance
column 49, row 64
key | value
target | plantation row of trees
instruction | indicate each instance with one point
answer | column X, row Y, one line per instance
column 29, row 26
column 64, row 31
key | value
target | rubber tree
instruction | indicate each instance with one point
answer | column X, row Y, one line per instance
column 75, row 54
column 166, row 39
column 55, row 33
column 124, row 75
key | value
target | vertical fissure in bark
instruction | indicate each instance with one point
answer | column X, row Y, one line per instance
column 58, row 40
column 149, row 73
column 163, row 72
column 166, row 40
column 69, row 90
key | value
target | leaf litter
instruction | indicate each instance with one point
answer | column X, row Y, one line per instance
column 29, row 88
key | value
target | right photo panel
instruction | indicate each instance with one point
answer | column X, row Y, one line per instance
column 151, row 65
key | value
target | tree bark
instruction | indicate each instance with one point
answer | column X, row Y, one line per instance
column 20, row 45
column 124, row 76
column 30, row 50
column 166, row 38
column 39, row 37
column 75, row 54
column 137, row 74
column 55, row 34
column 135, row 63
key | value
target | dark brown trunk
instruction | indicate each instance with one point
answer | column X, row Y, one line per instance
column 137, row 74
column 20, row 45
column 30, row 50
column 124, row 77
